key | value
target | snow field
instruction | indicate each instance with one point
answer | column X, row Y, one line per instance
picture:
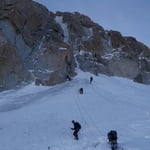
column 36, row 117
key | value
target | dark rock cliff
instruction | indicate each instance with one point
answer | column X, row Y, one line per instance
column 40, row 46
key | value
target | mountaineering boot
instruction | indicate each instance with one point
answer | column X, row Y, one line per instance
column 76, row 138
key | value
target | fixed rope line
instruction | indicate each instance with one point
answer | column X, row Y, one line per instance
column 90, row 118
column 83, row 113
column 80, row 110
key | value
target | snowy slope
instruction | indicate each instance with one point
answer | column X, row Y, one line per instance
column 34, row 118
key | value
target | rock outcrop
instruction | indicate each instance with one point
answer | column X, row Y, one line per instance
column 44, row 47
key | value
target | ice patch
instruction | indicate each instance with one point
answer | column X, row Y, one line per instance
column 59, row 20
column 82, row 52
column 62, row 48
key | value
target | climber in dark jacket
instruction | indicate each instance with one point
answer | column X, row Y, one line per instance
column 112, row 137
column 91, row 79
column 81, row 90
column 68, row 78
column 76, row 129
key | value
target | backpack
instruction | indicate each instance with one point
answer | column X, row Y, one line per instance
column 79, row 126
column 113, row 134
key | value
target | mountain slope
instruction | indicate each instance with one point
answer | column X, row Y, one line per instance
column 34, row 118
column 42, row 46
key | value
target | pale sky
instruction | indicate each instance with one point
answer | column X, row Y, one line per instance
column 130, row 17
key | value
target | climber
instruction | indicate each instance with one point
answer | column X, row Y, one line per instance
column 112, row 137
column 81, row 90
column 91, row 79
column 76, row 129
column 68, row 78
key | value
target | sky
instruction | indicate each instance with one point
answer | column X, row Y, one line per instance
column 38, row 117
column 130, row 17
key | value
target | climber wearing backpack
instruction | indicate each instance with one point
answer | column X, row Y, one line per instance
column 81, row 90
column 76, row 129
column 112, row 137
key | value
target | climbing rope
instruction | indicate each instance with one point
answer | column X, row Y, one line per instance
column 89, row 116
column 80, row 110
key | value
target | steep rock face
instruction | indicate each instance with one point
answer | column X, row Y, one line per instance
column 12, row 70
column 36, row 40
column 135, row 56
column 108, row 52
column 38, row 45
